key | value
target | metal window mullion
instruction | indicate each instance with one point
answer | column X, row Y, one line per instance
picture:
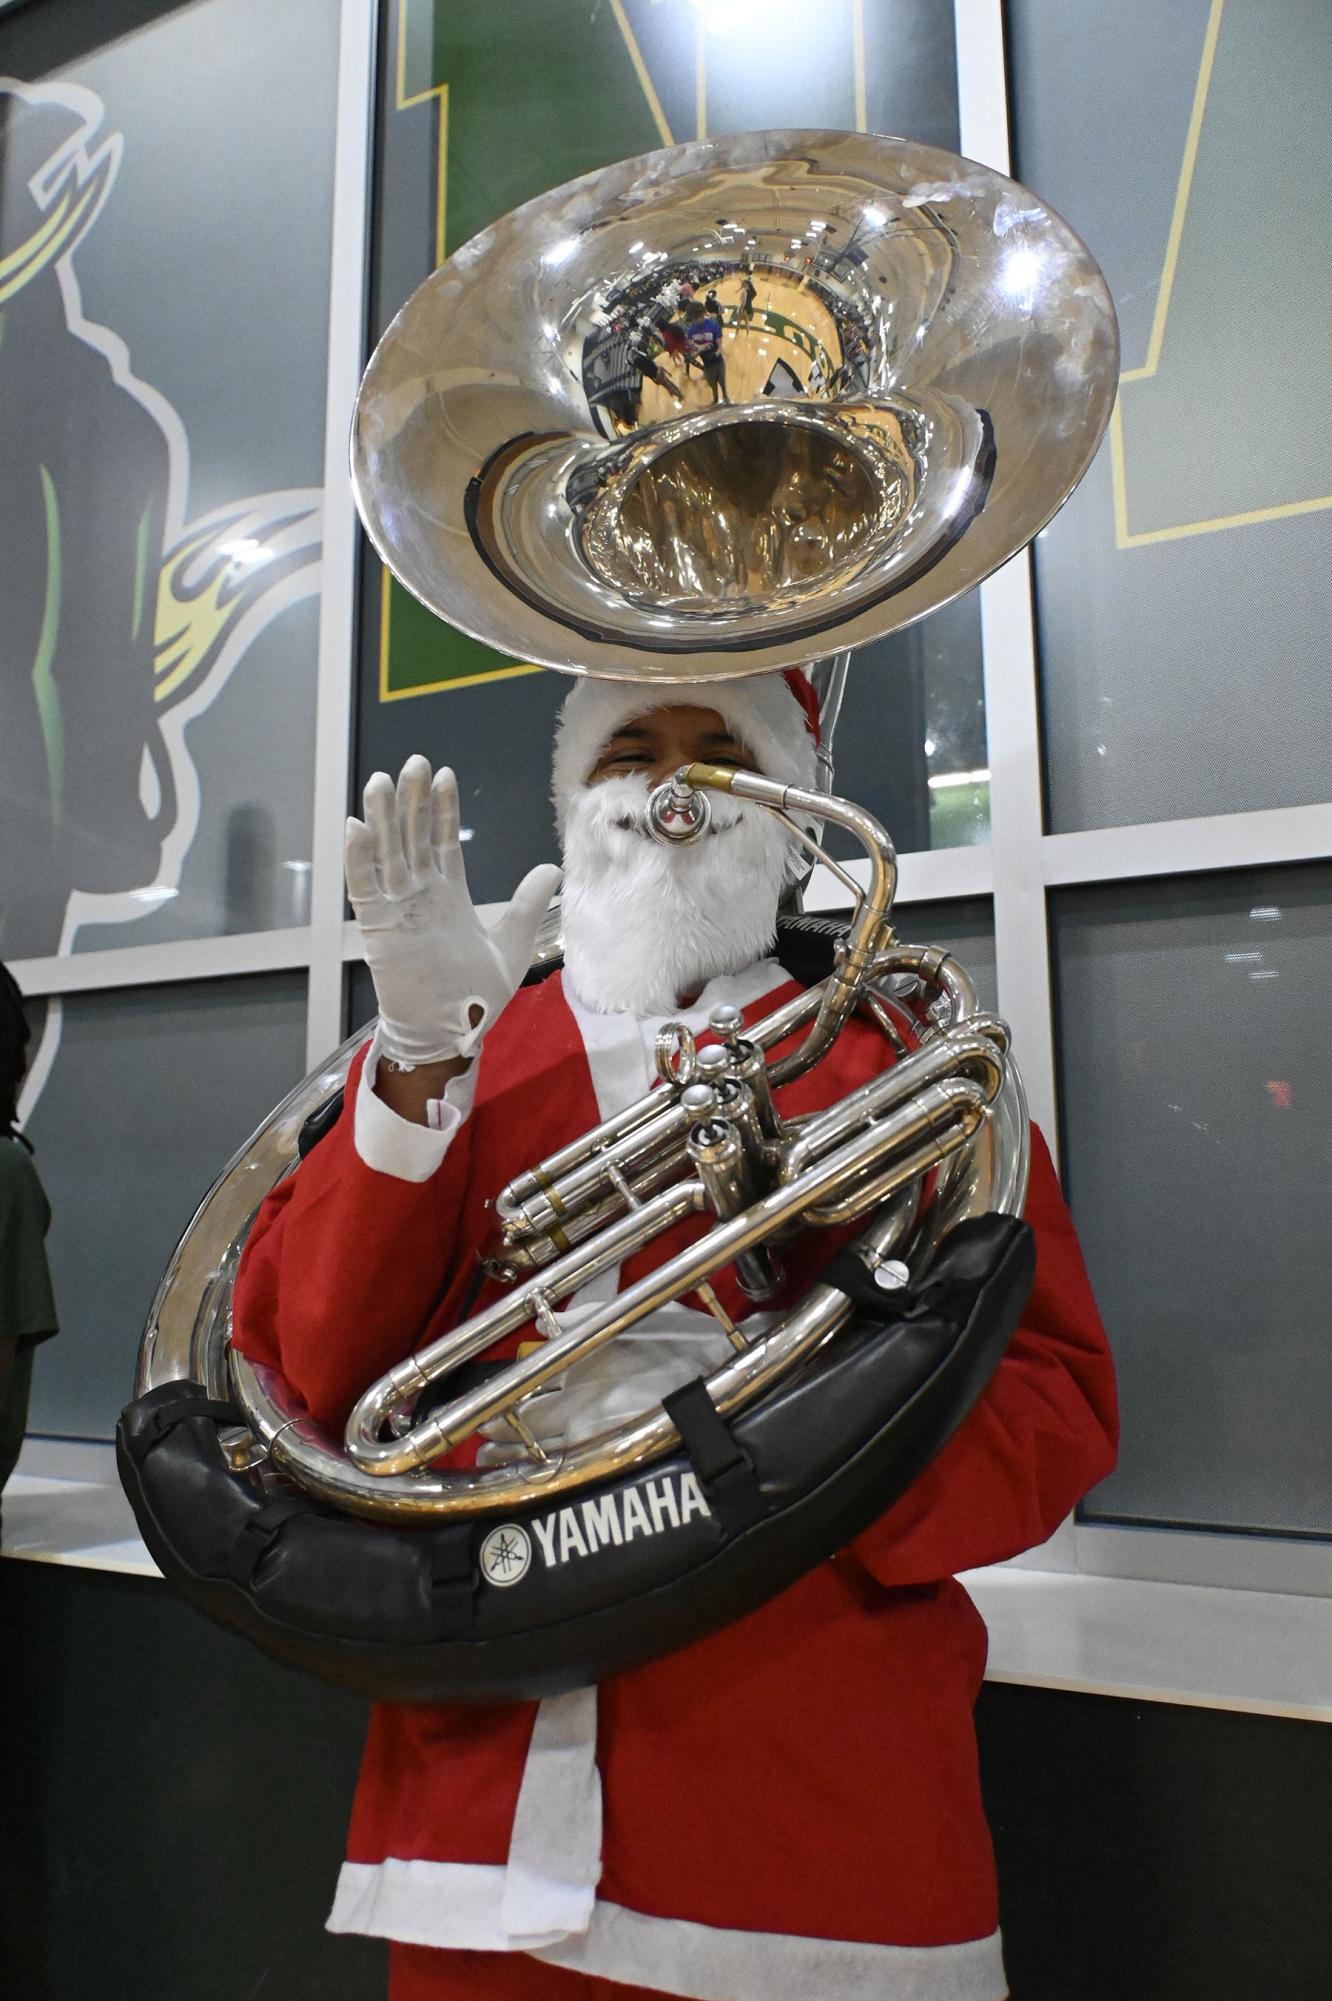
column 928, row 875
column 1021, row 935
column 171, row 962
column 1269, row 838
column 1021, row 928
column 1012, row 718
column 1008, row 644
column 337, row 607
column 982, row 82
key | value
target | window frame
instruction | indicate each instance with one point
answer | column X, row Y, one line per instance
column 1016, row 869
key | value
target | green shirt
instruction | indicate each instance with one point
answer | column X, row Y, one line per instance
column 27, row 1309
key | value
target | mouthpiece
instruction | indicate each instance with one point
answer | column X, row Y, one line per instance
column 677, row 812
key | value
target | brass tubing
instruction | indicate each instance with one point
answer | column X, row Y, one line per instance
column 911, row 1126
column 523, row 1186
column 864, row 1195
column 960, row 1117
column 897, row 1212
column 946, row 1056
column 536, row 1251
column 296, row 1445
column 940, row 971
column 590, row 1179
column 723, row 1165
column 461, row 1344
column 587, row 1151
column 586, row 1195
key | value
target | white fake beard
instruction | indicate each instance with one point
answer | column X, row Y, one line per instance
column 646, row 925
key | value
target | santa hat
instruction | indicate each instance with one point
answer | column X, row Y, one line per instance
column 775, row 716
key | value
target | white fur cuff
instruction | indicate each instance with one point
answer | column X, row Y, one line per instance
column 397, row 1146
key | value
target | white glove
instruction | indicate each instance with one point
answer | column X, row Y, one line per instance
column 431, row 958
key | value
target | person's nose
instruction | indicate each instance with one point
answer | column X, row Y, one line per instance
column 666, row 765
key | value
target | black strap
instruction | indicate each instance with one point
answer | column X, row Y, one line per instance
column 261, row 1531
column 851, row 1275
column 163, row 1419
column 725, row 1471
column 320, row 1122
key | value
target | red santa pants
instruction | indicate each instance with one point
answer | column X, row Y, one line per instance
column 420, row 1973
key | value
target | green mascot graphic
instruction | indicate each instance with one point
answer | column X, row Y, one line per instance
column 122, row 617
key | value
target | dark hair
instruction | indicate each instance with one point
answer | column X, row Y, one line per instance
column 14, row 1033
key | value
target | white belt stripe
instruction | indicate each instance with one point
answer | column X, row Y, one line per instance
column 455, row 1904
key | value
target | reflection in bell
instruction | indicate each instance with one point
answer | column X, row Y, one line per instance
column 739, row 448
column 745, row 510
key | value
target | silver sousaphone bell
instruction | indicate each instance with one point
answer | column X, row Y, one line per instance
column 740, row 405
column 926, row 369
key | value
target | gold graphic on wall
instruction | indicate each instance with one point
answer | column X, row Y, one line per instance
column 1245, row 367
column 405, row 100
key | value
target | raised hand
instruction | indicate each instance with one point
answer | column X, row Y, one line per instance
column 441, row 976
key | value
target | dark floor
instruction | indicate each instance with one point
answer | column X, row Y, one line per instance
column 175, row 1804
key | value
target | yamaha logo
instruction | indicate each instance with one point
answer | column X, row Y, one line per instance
column 588, row 1526
column 506, row 1554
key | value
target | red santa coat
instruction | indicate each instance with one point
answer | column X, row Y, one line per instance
column 789, row 1808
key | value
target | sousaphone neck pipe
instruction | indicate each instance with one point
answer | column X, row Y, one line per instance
column 870, row 929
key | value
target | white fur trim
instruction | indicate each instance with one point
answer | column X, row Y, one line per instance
column 760, row 708
column 705, row 1962
column 554, row 1865
column 441, row 1904
column 644, row 924
column 452, row 1904
column 397, row 1146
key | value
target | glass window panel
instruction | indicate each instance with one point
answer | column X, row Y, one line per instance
column 1179, row 593
column 1197, row 1103
column 165, row 193
column 965, row 928
column 539, row 92
column 153, row 1089
column 361, row 1005
column 910, row 743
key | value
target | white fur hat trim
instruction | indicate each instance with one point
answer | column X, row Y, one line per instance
column 760, row 709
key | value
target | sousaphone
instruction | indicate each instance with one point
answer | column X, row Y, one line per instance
column 918, row 359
